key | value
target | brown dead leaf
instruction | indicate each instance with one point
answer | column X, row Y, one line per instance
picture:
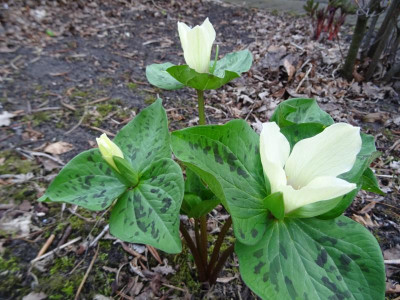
column 58, row 148
column 290, row 69
column 365, row 220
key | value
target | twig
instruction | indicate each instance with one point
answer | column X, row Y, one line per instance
column 102, row 130
column 56, row 249
column 174, row 287
column 46, row 109
column 46, row 245
column 392, row 261
column 66, row 234
column 87, row 273
column 154, row 253
column 69, row 106
column 133, row 252
column 304, row 78
column 96, row 101
column 77, row 124
column 34, row 153
column 103, row 232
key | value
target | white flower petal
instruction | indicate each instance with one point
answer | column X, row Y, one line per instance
column 319, row 189
column 274, row 151
column 330, row 153
column 197, row 44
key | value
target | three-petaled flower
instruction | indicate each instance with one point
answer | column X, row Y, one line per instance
column 309, row 172
column 108, row 149
column 197, row 44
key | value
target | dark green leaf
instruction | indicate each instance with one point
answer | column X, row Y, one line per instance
column 203, row 208
column 158, row 76
column 227, row 158
column 194, row 185
column 126, row 172
column 274, row 203
column 149, row 213
column 300, row 110
column 314, row 259
column 87, row 181
column 227, row 69
column 298, row 132
column 369, row 182
column 189, row 201
column 145, row 139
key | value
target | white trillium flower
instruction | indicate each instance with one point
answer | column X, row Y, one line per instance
column 196, row 44
column 108, row 149
column 309, row 173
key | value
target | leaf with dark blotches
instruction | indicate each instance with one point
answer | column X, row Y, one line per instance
column 145, row 139
column 87, row 181
column 149, row 213
column 314, row 259
column 227, row 158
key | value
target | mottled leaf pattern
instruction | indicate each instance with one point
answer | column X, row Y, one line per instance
column 230, row 154
column 149, row 213
column 313, row 259
column 87, row 181
column 158, row 76
column 146, row 138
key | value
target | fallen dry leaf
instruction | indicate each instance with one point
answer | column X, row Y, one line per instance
column 5, row 118
column 58, row 148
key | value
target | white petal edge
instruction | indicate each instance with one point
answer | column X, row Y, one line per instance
column 329, row 153
column 274, row 151
column 320, row 189
column 183, row 30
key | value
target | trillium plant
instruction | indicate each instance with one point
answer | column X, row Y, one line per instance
column 285, row 189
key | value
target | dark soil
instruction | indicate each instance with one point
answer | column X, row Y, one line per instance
column 84, row 64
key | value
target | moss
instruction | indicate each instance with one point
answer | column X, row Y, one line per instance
column 38, row 118
column 104, row 109
column 183, row 277
column 106, row 81
column 150, row 99
column 79, row 94
column 14, row 164
column 11, row 278
column 131, row 85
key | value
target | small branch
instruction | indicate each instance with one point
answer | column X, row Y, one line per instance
column 218, row 244
column 46, row 246
column 87, row 273
column 56, row 249
column 195, row 253
column 220, row 264
column 392, row 261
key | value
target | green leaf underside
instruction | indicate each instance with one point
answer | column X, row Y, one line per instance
column 194, row 185
column 364, row 158
column 227, row 158
column 149, row 213
column 87, row 181
column 309, row 259
column 370, row 183
column 227, row 69
column 146, row 138
column 158, row 76
column 274, row 203
column 298, row 111
column 194, row 207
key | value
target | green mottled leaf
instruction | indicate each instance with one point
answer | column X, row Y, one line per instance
column 158, row 76
column 194, row 185
column 367, row 154
column 314, row 259
column 298, row 132
column 146, row 138
column 370, row 183
column 149, row 213
column 227, row 158
column 300, row 110
column 227, row 69
column 87, row 181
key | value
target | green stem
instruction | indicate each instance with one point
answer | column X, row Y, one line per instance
column 218, row 244
column 200, row 100
column 196, row 256
column 213, row 277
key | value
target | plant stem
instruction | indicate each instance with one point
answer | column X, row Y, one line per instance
column 195, row 253
column 200, row 101
column 218, row 245
column 203, row 241
column 213, row 277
